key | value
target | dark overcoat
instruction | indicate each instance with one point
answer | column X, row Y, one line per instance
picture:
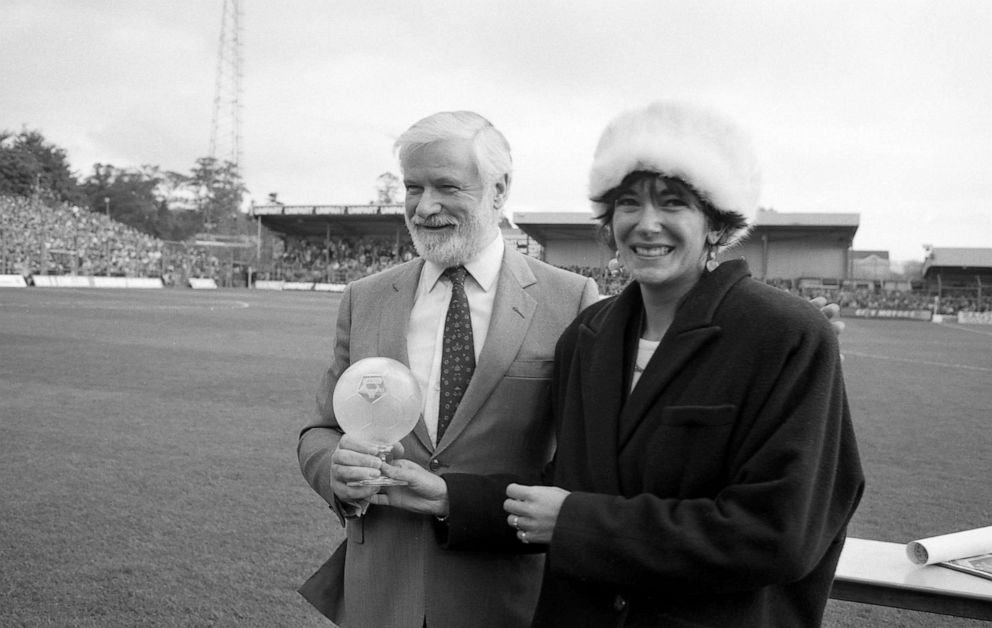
column 716, row 493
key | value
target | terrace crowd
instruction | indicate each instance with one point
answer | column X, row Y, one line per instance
column 37, row 238
column 337, row 260
column 40, row 238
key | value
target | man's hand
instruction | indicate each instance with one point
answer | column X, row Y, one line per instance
column 354, row 460
column 832, row 312
column 533, row 511
column 424, row 493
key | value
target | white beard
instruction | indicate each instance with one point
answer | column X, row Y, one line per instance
column 454, row 248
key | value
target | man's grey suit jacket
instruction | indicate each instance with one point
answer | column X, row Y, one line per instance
column 394, row 572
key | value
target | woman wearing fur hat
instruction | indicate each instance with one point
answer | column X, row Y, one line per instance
column 706, row 467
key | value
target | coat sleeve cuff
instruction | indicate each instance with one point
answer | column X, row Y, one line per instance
column 349, row 510
column 476, row 519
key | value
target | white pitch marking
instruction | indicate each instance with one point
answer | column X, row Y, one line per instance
column 916, row 361
column 968, row 329
column 92, row 305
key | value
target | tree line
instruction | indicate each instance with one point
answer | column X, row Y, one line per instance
column 165, row 204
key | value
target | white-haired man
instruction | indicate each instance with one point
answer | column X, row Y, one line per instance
column 393, row 571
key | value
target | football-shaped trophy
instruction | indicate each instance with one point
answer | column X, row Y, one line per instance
column 378, row 400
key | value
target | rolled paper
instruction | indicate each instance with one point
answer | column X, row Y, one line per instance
column 938, row 549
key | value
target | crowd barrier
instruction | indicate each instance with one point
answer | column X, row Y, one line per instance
column 918, row 315
column 83, row 281
column 305, row 286
column 12, row 281
column 196, row 283
column 299, row 286
column 199, row 283
column 975, row 318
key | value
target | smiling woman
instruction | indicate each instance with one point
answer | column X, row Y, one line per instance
column 717, row 405
column 664, row 234
column 671, row 185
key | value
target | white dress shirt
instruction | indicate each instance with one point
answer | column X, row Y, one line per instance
column 425, row 333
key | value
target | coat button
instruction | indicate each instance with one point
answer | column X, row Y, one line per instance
column 619, row 603
column 434, row 465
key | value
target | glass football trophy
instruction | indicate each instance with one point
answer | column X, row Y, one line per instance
column 378, row 400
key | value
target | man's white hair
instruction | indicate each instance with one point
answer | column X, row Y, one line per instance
column 491, row 150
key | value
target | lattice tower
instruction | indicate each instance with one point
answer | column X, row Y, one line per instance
column 225, row 128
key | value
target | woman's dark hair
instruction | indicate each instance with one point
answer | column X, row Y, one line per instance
column 727, row 222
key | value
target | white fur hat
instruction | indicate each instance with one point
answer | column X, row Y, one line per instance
column 677, row 139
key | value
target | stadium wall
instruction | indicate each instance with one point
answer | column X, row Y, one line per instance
column 772, row 258
column 304, row 286
column 82, row 281
column 576, row 253
column 865, row 312
column 975, row 318
column 12, row 281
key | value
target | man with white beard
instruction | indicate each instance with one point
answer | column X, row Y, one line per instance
column 393, row 570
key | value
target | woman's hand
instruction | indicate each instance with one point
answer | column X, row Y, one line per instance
column 424, row 493
column 533, row 511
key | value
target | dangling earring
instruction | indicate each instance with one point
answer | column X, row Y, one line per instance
column 614, row 266
column 711, row 262
column 711, row 249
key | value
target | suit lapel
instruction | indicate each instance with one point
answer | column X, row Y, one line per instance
column 394, row 318
column 513, row 311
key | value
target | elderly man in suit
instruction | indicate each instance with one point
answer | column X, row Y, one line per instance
column 392, row 571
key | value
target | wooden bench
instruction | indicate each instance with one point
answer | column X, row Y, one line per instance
column 876, row 572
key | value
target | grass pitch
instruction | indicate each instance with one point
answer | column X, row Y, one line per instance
column 149, row 474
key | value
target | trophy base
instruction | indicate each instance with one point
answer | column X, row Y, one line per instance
column 379, row 482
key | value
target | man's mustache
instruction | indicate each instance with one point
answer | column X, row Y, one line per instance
column 433, row 222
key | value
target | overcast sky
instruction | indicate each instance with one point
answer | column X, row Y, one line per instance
column 883, row 108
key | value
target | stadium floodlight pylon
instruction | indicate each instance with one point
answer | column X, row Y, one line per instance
column 225, row 127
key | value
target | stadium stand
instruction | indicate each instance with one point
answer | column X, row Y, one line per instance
column 334, row 245
column 961, row 277
column 41, row 239
column 335, row 260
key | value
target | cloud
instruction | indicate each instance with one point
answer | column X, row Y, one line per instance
column 882, row 107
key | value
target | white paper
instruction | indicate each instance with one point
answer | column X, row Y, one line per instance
column 938, row 549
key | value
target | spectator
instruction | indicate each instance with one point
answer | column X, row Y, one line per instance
column 42, row 239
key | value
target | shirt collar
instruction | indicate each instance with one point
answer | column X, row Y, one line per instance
column 484, row 267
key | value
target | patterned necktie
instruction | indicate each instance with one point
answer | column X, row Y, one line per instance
column 458, row 350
